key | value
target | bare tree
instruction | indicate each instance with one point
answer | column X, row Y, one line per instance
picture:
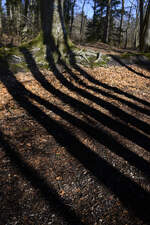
column 141, row 23
column 0, row 14
column 128, row 25
column 145, row 42
column 121, row 22
column 108, row 21
column 82, row 19
column 72, row 16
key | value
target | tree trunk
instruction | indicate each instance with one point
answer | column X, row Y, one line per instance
column 145, row 42
column 128, row 25
column 0, row 16
column 72, row 16
column 53, row 29
column 136, row 30
column 1, row 25
column 108, row 16
column 121, row 22
column 141, row 23
column 82, row 18
column 94, row 18
column 17, row 15
column 26, row 7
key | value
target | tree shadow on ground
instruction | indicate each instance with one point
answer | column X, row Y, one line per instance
column 81, row 107
column 136, row 61
column 104, row 92
column 85, row 74
column 123, row 129
column 59, row 76
column 132, row 135
column 107, row 87
column 47, row 191
column 130, row 194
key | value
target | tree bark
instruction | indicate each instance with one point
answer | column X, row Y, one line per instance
column 94, row 14
column 145, row 42
column 141, row 23
column 1, row 28
column 128, row 25
column 108, row 16
column 53, row 29
column 136, row 30
column 82, row 18
column 72, row 16
column 0, row 15
column 121, row 22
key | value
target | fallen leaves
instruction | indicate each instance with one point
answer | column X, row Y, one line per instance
column 71, row 180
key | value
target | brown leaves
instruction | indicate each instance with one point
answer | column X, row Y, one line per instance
column 41, row 151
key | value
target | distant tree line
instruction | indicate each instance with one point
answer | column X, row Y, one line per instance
column 118, row 22
column 122, row 24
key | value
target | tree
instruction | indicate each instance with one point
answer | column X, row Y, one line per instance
column 102, row 27
column 82, row 20
column 53, row 33
column 121, row 22
column 108, row 16
column 72, row 15
column 145, row 42
column 0, row 14
column 0, row 17
column 136, row 29
column 141, row 23
column 128, row 25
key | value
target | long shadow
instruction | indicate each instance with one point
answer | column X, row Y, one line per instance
column 117, row 59
column 93, row 80
column 95, row 133
column 125, row 102
column 56, row 204
column 85, row 74
column 128, row 192
column 123, row 129
column 139, row 60
column 114, row 110
column 107, row 87
column 124, row 116
column 143, row 63
column 104, row 93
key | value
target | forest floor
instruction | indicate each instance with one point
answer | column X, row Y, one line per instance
column 106, row 48
column 75, row 146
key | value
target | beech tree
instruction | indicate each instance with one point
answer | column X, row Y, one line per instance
column 121, row 22
column 108, row 16
column 45, row 24
column 141, row 23
column 145, row 42
column 53, row 35
column 82, row 19
column 0, row 17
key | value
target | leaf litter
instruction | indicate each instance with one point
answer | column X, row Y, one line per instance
column 92, row 201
